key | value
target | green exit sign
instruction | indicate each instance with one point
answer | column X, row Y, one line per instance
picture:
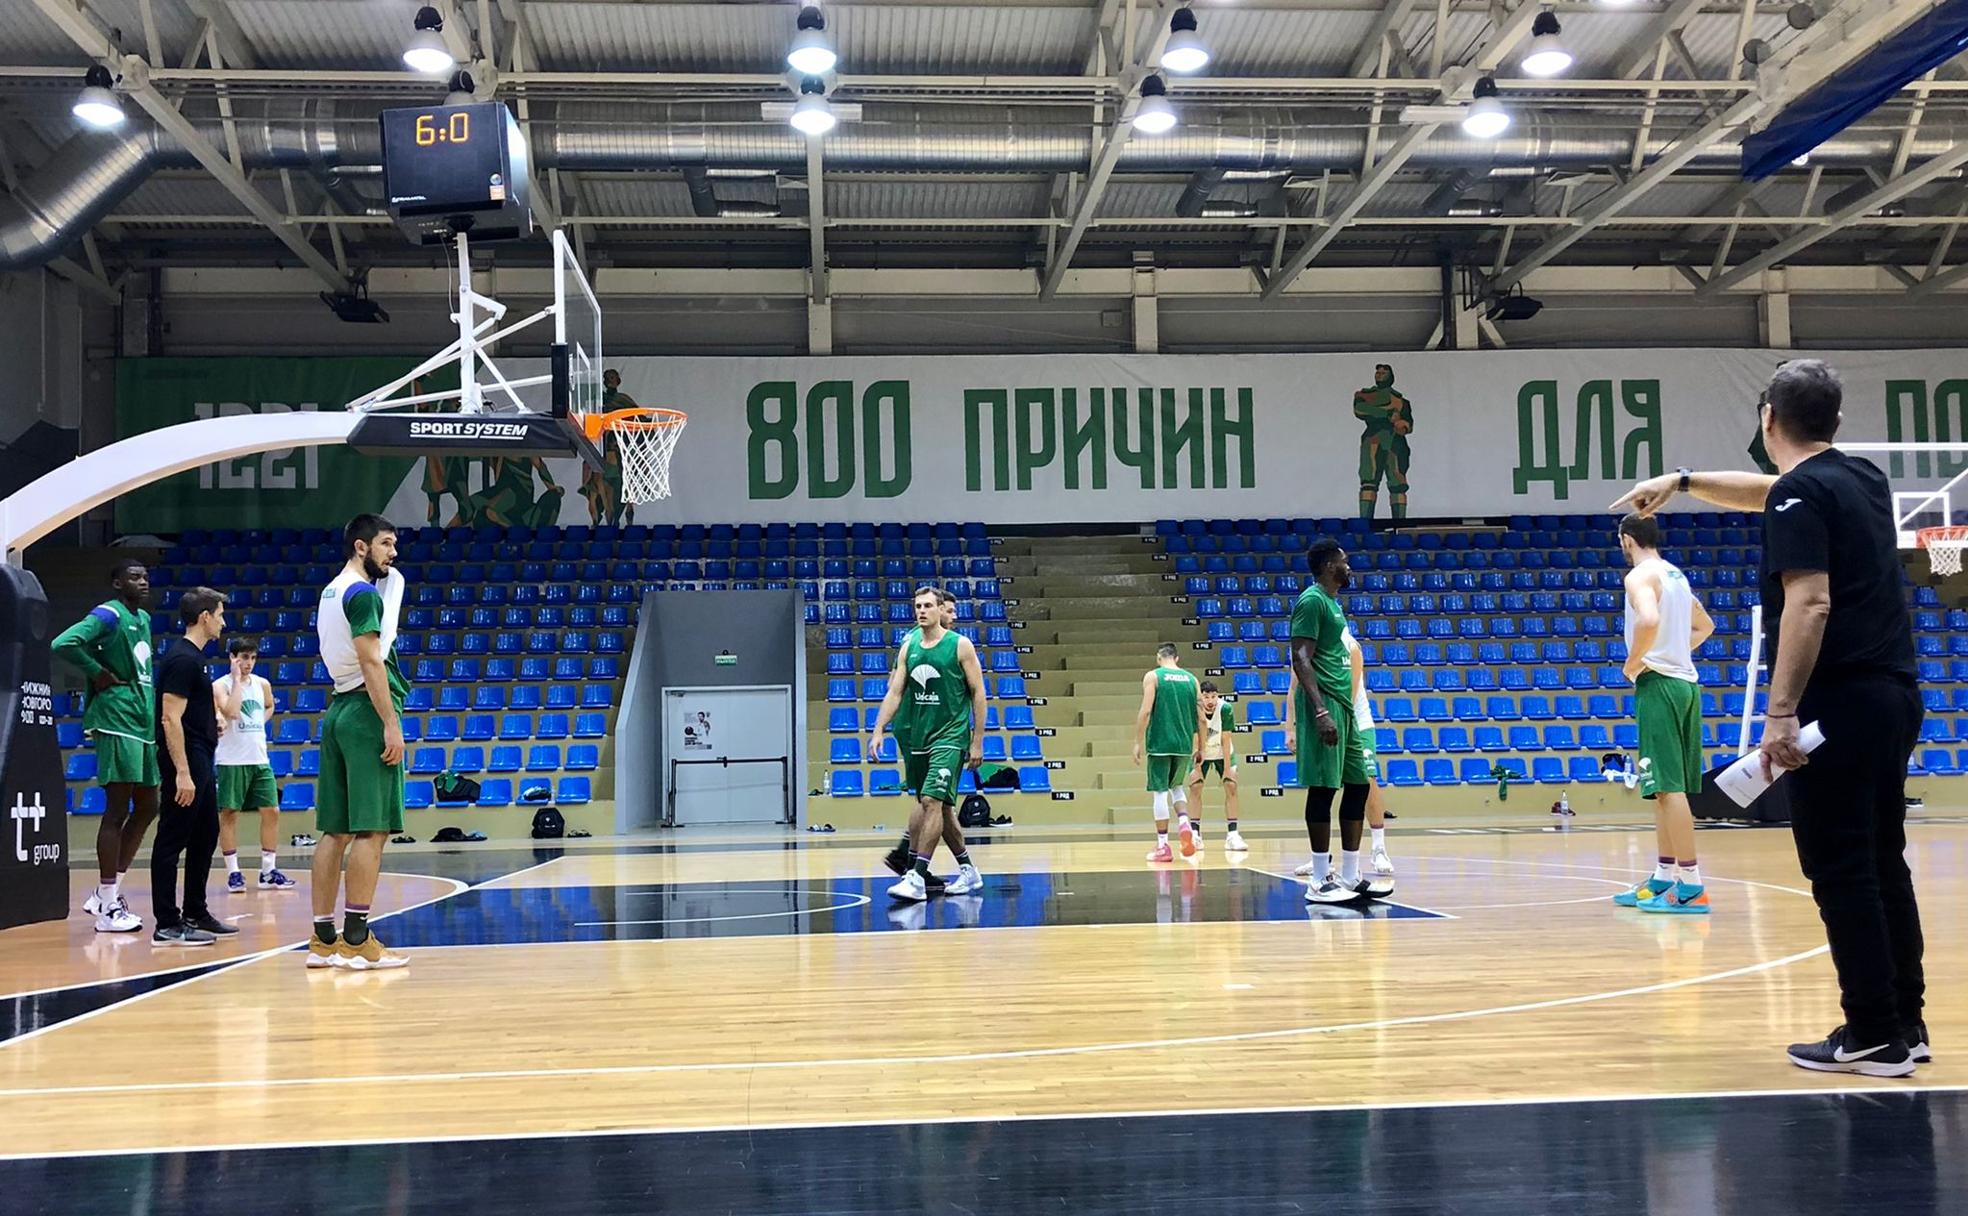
column 726, row 660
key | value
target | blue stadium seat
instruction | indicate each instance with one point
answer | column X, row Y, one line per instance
column 1502, row 709
column 1439, row 773
column 1537, row 709
column 297, row 796
column 418, row 795
column 1273, row 743
column 81, row 766
column 503, row 760
column 1025, row 747
column 1453, row 739
column 479, row 727
column 1399, row 709
column 842, row 720
column 1034, row 779
column 582, row 757
column 1584, row 768
column 554, row 726
column 1288, row 773
column 1489, row 739
column 1262, row 713
column 496, row 791
column 590, row 726
column 1418, row 739
column 1403, row 773
column 1476, row 771
column 1548, row 770
column 1435, row 709
column 1018, row 717
column 845, row 751
column 514, row 727
column 543, row 758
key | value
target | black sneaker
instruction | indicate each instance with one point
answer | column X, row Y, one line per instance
column 181, row 935
column 1916, row 1044
column 1839, row 1053
column 899, row 860
column 212, row 925
column 935, row 884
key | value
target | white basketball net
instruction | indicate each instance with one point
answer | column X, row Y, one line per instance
column 646, row 448
column 1944, row 554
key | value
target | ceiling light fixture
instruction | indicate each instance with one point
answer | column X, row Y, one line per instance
column 1155, row 116
column 1547, row 56
column 812, row 116
column 96, row 105
column 811, row 54
column 1184, row 51
column 1485, row 117
column 427, row 52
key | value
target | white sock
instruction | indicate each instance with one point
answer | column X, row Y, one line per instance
column 1691, row 874
column 106, row 895
column 1321, row 862
column 1349, row 866
column 1161, row 836
column 116, row 888
column 1379, row 838
column 232, row 862
column 267, row 862
column 1663, row 871
column 1181, row 821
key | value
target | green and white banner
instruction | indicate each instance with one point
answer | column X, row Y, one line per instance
column 285, row 488
column 1122, row 438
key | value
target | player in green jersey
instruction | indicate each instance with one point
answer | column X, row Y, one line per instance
column 1331, row 752
column 1167, row 734
column 111, row 648
column 936, row 701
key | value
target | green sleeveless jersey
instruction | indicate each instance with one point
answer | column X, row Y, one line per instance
column 114, row 639
column 1172, row 721
column 935, row 709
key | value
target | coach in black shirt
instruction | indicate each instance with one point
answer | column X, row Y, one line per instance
column 1842, row 656
column 188, row 808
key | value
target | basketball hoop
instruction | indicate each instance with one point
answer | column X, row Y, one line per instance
column 646, row 438
column 1944, row 546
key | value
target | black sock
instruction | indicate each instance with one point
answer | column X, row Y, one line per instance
column 324, row 930
column 1232, row 824
column 355, row 927
column 906, row 843
column 963, row 857
column 922, row 865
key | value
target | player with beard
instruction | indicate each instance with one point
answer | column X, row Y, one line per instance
column 361, row 787
column 1331, row 754
column 899, row 859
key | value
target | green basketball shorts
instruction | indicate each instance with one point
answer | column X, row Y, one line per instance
column 121, row 760
column 1328, row 768
column 1669, row 713
column 934, row 774
column 247, row 787
column 357, row 792
column 1167, row 773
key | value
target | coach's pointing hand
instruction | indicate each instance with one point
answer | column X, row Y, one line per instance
column 1650, row 495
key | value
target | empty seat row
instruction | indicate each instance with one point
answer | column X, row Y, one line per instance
column 887, row 782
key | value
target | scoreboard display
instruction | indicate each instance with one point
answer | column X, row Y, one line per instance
column 452, row 169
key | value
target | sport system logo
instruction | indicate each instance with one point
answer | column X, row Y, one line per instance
column 468, row 429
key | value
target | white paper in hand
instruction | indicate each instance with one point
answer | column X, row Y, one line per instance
column 1743, row 781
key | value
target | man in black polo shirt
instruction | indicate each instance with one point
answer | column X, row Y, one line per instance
column 188, row 822
column 1843, row 654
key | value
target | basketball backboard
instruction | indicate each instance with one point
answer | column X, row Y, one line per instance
column 495, row 414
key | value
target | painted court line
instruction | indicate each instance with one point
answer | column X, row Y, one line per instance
column 855, row 901
column 1865, row 1091
column 1296, row 881
column 626, row 1070
column 220, row 967
column 139, row 976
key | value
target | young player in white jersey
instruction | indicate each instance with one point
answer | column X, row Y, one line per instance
column 1665, row 625
column 1216, row 755
column 246, row 783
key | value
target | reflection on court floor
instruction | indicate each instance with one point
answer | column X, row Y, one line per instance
column 1032, row 899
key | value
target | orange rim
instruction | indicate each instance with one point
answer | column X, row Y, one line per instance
column 635, row 418
column 1944, row 532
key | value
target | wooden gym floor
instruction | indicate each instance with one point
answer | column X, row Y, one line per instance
column 746, row 1024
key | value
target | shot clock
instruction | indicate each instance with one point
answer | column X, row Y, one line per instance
column 451, row 169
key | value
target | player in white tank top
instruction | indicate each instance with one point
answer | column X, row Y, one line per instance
column 1665, row 625
column 246, row 783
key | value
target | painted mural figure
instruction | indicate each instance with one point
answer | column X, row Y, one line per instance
column 511, row 496
column 603, row 489
column 1389, row 419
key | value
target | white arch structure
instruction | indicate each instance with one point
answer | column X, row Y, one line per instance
column 88, row 481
